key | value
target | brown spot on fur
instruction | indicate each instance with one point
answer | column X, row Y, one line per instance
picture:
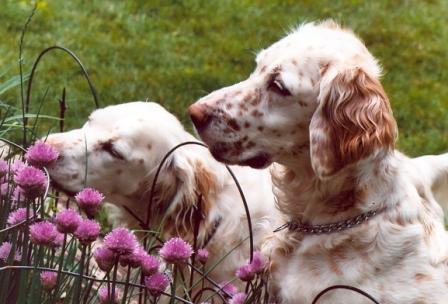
column 233, row 124
column 422, row 277
column 294, row 62
column 263, row 69
column 149, row 146
column 260, row 128
column 250, row 145
column 141, row 161
column 242, row 106
column 246, row 124
column 74, row 176
column 118, row 171
column 206, row 184
column 256, row 113
column 229, row 105
column 302, row 103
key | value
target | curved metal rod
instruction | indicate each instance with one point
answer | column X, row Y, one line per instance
column 86, row 277
column 33, row 70
column 243, row 198
column 360, row 291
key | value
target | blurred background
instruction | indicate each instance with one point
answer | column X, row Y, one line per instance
column 174, row 52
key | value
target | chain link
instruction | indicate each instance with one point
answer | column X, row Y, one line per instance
column 329, row 228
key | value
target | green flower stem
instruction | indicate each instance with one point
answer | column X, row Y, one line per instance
column 173, row 287
column 126, row 286
column 61, row 263
column 78, row 287
column 114, row 278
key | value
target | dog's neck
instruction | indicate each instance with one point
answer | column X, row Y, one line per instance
column 305, row 198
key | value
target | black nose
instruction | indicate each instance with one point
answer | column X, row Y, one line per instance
column 198, row 113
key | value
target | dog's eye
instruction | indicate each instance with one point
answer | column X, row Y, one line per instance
column 108, row 146
column 278, row 87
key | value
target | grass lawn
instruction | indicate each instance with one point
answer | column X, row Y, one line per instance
column 176, row 51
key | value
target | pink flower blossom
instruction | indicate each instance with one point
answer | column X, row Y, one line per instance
column 87, row 231
column 4, row 168
column 238, row 298
column 157, row 283
column 5, row 250
column 67, row 220
column 32, row 181
column 105, row 295
column 89, row 201
column 105, row 258
column 134, row 258
column 41, row 154
column 48, row 279
column 258, row 262
column 121, row 241
column 176, row 250
column 245, row 273
column 150, row 264
column 17, row 165
column 58, row 240
column 43, row 233
column 202, row 256
column 228, row 288
column 18, row 216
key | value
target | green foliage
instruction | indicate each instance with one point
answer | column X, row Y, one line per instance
column 176, row 51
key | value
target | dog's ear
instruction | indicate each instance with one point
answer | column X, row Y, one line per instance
column 353, row 120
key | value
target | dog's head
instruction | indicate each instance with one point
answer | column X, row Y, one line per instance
column 117, row 149
column 314, row 94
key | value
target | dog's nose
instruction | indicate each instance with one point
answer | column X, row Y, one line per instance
column 199, row 116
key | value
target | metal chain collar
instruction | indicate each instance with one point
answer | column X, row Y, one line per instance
column 329, row 228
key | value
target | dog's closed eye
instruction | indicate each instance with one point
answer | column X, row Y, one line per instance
column 277, row 86
column 109, row 147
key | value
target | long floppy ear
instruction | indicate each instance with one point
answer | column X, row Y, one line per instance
column 353, row 120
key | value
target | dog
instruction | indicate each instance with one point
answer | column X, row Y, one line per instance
column 118, row 151
column 355, row 210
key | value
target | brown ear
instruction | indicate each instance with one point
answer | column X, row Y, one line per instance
column 353, row 120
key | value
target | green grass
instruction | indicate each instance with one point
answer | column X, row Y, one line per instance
column 176, row 51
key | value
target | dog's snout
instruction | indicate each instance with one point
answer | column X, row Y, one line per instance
column 199, row 115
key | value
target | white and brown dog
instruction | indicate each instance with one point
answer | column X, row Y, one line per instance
column 359, row 213
column 118, row 151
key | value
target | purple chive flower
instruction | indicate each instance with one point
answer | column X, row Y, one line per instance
column 67, row 220
column 228, row 288
column 105, row 295
column 238, row 298
column 245, row 273
column 18, row 216
column 4, row 189
column 17, row 194
column 58, row 240
column 157, row 283
column 32, row 181
column 150, row 264
column 133, row 259
column 43, row 233
column 87, row 231
column 176, row 250
column 121, row 241
column 202, row 256
column 41, row 154
column 105, row 258
column 4, row 168
column 89, row 200
column 17, row 165
column 258, row 262
column 48, row 279
column 5, row 250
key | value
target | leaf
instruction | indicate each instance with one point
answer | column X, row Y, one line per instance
column 12, row 82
